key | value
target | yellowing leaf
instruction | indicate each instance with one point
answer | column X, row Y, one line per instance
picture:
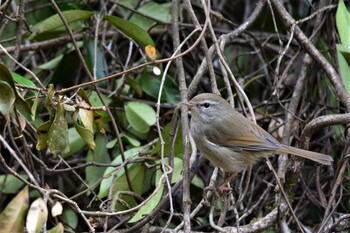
column 151, row 52
column 12, row 217
column 57, row 229
column 85, row 133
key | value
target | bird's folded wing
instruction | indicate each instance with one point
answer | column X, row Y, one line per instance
column 249, row 143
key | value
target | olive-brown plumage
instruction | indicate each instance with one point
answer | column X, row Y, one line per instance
column 233, row 142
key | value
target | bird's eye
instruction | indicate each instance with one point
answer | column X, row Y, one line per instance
column 206, row 105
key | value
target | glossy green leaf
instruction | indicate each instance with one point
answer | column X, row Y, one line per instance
column 177, row 172
column 178, row 148
column 51, row 64
column 134, row 85
column 70, row 218
column 154, row 10
column 131, row 140
column 100, row 155
column 140, row 115
column 108, row 174
column 22, row 80
column 130, row 29
column 66, row 71
column 55, row 21
column 37, row 216
column 10, row 184
column 58, row 142
column 343, row 24
column 152, row 203
column 136, row 175
column 13, row 216
column 125, row 138
column 20, row 103
column 5, row 75
column 76, row 143
column 151, row 85
column 89, row 52
column 198, row 182
column 7, row 99
column 344, row 51
column 344, row 71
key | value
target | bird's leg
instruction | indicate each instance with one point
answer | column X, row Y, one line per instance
column 224, row 187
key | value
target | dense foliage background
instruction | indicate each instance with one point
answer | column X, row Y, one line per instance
column 93, row 137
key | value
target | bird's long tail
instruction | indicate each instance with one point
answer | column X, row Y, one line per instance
column 314, row 156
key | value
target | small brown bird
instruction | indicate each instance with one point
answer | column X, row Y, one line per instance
column 233, row 142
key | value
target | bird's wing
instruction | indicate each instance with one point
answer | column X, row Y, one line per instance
column 253, row 139
column 249, row 144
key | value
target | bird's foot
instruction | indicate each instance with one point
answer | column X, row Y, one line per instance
column 223, row 188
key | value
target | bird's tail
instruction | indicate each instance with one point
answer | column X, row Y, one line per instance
column 314, row 156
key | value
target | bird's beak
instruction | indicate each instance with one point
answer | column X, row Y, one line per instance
column 188, row 105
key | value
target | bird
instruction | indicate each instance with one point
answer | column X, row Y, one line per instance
column 233, row 142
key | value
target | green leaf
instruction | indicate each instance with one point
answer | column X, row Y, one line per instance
column 152, row 203
column 130, row 29
column 7, row 99
column 37, row 216
column 12, row 217
column 10, row 184
column 178, row 148
column 177, row 171
column 58, row 142
column 89, row 51
column 5, row 75
column 140, row 115
column 198, row 182
column 51, row 64
column 66, row 70
column 151, row 85
column 76, row 143
column 136, row 174
column 149, row 206
column 93, row 173
column 55, row 21
column 22, row 80
column 132, row 141
column 154, row 10
column 20, row 103
column 344, row 71
column 70, row 218
column 108, row 174
column 343, row 24
column 344, row 51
